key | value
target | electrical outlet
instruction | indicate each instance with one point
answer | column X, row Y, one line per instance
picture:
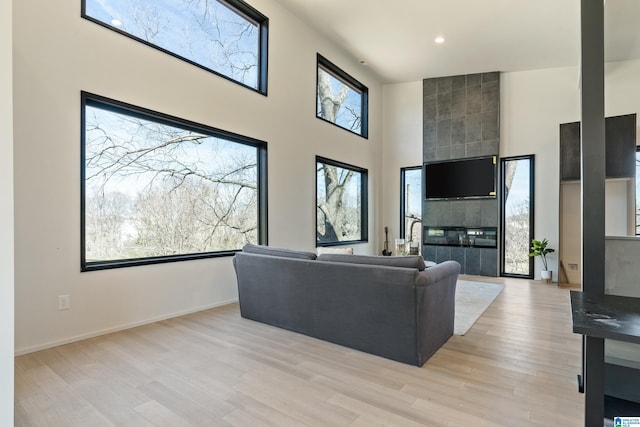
column 573, row 266
column 64, row 302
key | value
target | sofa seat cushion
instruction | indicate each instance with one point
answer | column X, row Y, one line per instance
column 279, row 252
column 412, row 261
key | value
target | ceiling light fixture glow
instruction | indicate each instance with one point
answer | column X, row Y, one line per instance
column 439, row 39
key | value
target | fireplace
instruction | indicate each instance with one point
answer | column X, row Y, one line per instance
column 481, row 237
column 475, row 248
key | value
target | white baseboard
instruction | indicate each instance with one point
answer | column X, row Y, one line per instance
column 27, row 350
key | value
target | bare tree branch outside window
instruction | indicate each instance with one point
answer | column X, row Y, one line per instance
column 340, row 100
column 517, row 216
column 339, row 199
column 154, row 189
column 411, row 211
column 339, row 103
column 210, row 33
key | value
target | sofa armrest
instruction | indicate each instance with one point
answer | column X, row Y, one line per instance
column 435, row 307
column 437, row 273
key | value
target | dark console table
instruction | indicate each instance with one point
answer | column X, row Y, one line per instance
column 606, row 316
column 600, row 317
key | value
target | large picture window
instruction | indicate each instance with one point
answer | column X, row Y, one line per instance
column 411, row 206
column 341, row 203
column 227, row 37
column 156, row 188
column 341, row 99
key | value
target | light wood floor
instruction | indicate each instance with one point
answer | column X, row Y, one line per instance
column 516, row 366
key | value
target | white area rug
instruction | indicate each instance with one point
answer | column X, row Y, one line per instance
column 472, row 299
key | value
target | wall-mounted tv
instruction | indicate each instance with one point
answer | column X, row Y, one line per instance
column 473, row 178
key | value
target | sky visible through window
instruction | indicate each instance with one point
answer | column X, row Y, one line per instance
column 206, row 32
column 349, row 114
column 353, row 190
column 412, row 209
column 341, row 213
column 413, row 180
column 152, row 189
column 519, row 192
column 517, row 220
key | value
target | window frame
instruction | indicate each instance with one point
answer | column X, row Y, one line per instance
column 243, row 9
column 364, row 202
column 403, row 196
column 348, row 80
column 90, row 99
column 503, row 161
column 637, row 183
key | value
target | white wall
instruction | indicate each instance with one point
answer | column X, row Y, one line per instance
column 6, row 218
column 532, row 106
column 402, row 135
column 56, row 55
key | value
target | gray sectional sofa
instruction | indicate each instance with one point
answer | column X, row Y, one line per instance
column 388, row 306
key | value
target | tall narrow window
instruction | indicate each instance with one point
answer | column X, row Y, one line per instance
column 517, row 216
column 341, row 203
column 156, row 188
column 227, row 37
column 341, row 99
column 411, row 206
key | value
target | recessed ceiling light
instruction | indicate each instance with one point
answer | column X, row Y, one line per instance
column 439, row 39
column 116, row 22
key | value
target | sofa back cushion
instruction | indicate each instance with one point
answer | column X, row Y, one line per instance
column 412, row 261
column 279, row 252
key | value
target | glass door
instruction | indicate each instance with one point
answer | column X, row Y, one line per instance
column 411, row 208
column 517, row 216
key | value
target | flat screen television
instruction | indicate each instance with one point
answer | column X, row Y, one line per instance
column 473, row 178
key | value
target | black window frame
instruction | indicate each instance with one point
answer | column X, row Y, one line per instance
column 241, row 8
column 90, row 99
column 403, row 201
column 364, row 202
column 637, row 183
column 347, row 79
column 503, row 160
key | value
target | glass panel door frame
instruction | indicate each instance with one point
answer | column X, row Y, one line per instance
column 503, row 200
column 403, row 201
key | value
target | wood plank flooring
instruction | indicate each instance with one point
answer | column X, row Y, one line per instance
column 516, row 366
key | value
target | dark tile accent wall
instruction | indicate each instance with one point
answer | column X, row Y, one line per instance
column 461, row 119
column 476, row 261
column 461, row 116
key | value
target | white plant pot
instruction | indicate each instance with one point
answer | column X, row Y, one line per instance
column 545, row 275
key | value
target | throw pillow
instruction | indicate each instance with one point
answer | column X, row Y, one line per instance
column 344, row 251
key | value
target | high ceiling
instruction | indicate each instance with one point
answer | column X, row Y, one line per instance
column 396, row 38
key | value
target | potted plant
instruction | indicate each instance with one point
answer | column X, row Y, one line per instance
column 539, row 248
